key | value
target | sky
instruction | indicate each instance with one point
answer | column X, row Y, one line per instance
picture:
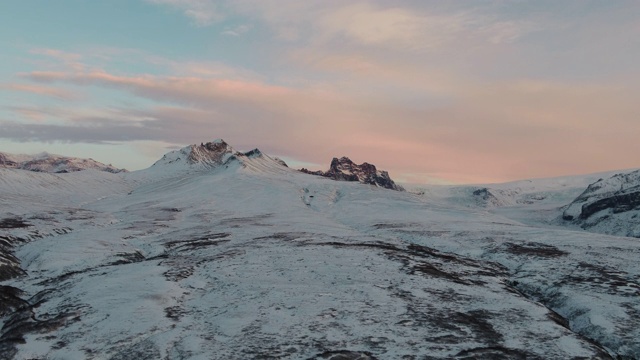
column 455, row 91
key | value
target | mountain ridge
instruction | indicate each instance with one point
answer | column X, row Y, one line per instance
column 51, row 163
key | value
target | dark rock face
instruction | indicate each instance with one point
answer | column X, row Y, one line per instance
column 485, row 197
column 212, row 152
column 617, row 204
column 609, row 206
column 344, row 169
column 253, row 153
column 5, row 162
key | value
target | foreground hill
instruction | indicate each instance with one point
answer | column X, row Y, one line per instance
column 214, row 253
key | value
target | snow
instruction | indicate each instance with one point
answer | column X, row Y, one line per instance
column 247, row 258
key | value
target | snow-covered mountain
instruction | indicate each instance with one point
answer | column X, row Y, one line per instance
column 209, row 156
column 217, row 254
column 50, row 163
column 205, row 156
column 344, row 169
column 610, row 205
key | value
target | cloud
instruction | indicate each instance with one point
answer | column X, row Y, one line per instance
column 71, row 61
column 391, row 27
column 33, row 113
column 202, row 12
column 186, row 90
column 400, row 26
column 505, row 130
column 500, row 32
column 73, row 133
column 58, row 93
column 236, row 31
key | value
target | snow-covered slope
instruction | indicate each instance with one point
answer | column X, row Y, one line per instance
column 552, row 191
column 49, row 163
column 244, row 258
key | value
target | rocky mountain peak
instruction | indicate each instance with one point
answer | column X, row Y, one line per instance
column 205, row 155
column 212, row 155
column 215, row 152
column 343, row 169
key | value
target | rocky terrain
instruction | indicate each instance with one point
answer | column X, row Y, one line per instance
column 213, row 253
column 344, row 169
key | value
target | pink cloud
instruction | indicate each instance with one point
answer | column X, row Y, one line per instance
column 72, row 61
column 58, row 93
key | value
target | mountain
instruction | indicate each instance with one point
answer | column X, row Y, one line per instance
column 205, row 156
column 213, row 253
column 610, row 206
column 344, row 169
column 209, row 156
column 50, row 163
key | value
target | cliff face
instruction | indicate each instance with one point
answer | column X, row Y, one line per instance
column 610, row 206
column 343, row 169
column 215, row 152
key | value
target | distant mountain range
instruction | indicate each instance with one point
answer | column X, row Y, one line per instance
column 204, row 156
column 50, row 163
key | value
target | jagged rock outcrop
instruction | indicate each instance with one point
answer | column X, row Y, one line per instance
column 50, row 163
column 7, row 162
column 344, row 169
column 610, row 206
column 257, row 154
column 484, row 197
column 205, row 155
column 215, row 152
